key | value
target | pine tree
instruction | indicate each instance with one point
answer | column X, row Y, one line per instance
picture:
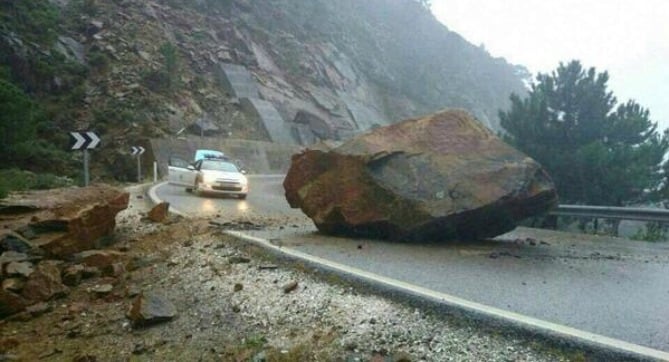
column 598, row 152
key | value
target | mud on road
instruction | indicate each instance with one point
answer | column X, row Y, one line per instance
column 236, row 303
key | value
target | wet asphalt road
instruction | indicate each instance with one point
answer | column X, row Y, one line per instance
column 609, row 286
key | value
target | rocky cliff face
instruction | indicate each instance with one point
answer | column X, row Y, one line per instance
column 314, row 69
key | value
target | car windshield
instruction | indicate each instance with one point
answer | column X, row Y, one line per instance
column 216, row 165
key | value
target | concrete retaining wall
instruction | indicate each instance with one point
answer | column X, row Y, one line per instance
column 270, row 118
column 237, row 81
column 257, row 156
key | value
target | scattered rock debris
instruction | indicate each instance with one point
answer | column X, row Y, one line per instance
column 98, row 310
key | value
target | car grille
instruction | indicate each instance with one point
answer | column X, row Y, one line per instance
column 227, row 185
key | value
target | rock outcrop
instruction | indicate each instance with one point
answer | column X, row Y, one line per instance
column 440, row 177
column 39, row 230
column 63, row 221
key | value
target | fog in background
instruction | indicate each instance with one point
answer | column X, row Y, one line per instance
column 628, row 38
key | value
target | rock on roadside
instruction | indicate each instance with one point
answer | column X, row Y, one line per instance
column 150, row 308
column 67, row 220
column 439, row 177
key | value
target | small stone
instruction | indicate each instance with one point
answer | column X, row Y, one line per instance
column 97, row 24
column 102, row 289
column 238, row 260
column 238, row 287
column 10, row 256
column 114, row 270
column 77, row 307
column 132, row 291
column 401, row 357
column 20, row 268
column 10, row 303
column 150, row 308
column 90, row 272
column 138, row 349
column 85, row 358
column 38, row 309
column 13, row 241
column 13, row 284
column 50, row 353
column 236, row 309
column 73, row 333
column 72, row 275
column 351, row 346
column 159, row 212
column 287, row 288
column 99, row 258
column 44, row 283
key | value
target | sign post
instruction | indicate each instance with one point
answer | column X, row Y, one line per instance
column 85, row 141
column 87, row 176
column 138, row 151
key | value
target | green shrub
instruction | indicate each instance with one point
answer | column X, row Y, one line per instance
column 170, row 55
column 652, row 231
column 37, row 20
column 19, row 117
column 20, row 180
column 156, row 80
column 41, row 156
column 98, row 60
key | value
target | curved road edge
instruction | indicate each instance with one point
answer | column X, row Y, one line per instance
column 609, row 347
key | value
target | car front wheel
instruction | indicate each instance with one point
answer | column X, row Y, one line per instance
column 197, row 189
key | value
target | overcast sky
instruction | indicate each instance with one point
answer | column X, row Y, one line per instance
column 628, row 38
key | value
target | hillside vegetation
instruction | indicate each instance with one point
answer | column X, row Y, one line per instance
column 132, row 69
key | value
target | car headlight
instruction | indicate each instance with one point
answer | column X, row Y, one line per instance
column 243, row 180
column 209, row 179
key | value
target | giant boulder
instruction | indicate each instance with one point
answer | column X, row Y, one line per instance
column 439, row 177
column 63, row 221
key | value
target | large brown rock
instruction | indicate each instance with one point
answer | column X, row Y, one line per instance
column 439, row 177
column 66, row 220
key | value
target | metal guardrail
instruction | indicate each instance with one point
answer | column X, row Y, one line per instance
column 609, row 212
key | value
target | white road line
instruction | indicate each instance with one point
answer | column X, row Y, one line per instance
column 531, row 323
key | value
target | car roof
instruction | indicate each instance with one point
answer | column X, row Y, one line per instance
column 209, row 154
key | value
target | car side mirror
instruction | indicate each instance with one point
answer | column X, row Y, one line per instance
column 243, row 172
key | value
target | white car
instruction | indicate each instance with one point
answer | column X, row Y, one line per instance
column 209, row 175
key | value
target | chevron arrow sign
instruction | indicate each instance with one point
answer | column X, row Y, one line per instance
column 84, row 140
column 137, row 150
